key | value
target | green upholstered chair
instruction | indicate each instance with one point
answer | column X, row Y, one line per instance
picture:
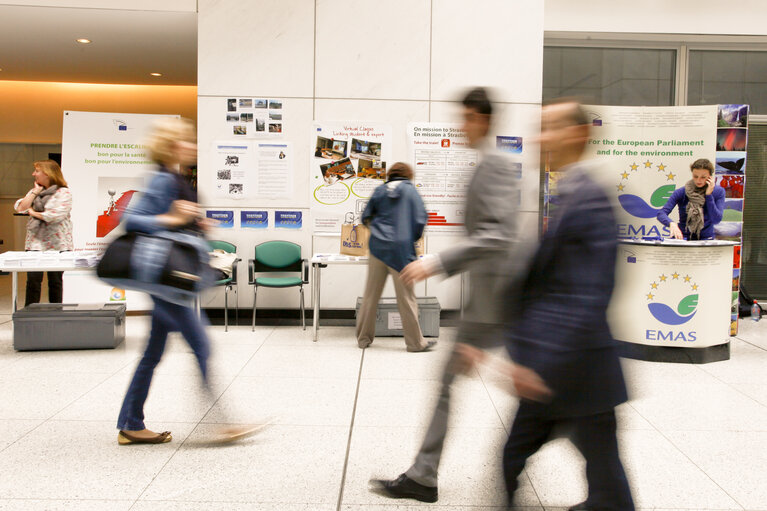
column 230, row 283
column 281, row 257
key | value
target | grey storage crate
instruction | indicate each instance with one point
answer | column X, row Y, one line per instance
column 57, row 326
column 389, row 323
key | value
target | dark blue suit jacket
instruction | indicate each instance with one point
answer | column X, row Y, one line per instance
column 561, row 329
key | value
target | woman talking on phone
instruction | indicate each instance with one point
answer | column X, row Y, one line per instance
column 701, row 205
column 49, row 227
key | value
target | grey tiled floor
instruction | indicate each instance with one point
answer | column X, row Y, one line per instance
column 692, row 437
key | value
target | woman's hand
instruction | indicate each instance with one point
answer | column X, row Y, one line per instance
column 184, row 210
column 35, row 214
column 676, row 233
column 181, row 213
column 37, row 189
column 207, row 224
column 710, row 187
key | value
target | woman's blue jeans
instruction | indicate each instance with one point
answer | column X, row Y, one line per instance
column 166, row 317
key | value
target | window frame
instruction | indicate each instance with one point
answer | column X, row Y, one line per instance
column 681, row 43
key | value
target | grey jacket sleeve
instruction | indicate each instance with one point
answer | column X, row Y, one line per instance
column 492, row 203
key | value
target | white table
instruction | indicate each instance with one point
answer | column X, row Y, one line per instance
column 17, row 262
column 320, row 261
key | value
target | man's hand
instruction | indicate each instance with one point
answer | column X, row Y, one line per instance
column 465, row 358
column 675, row 231
column 414, row 272
column 529, row 385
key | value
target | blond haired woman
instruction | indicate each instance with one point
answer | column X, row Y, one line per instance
column 49, row 227
column 168, row 203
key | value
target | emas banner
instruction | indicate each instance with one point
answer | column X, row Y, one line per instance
column 646, row 154
column 672, row 295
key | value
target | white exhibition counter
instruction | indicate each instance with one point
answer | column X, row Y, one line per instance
column 673, row 299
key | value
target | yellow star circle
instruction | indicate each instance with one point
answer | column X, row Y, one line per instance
column 661, row 167
column 634, row 166
column 650, row 296
column 663, row 278
column 654, row 285
column 625, row 175
column 675, row 276
column 670, row 176
column 687, row 278
column 620, row 188
column 647, row 164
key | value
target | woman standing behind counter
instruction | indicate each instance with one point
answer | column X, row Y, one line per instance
column 701, row 205
column 49, row 227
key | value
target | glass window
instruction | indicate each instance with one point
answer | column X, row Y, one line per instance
column 610, row 76
column 728, row 77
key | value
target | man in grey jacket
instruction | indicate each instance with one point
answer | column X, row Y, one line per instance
column 491, row 228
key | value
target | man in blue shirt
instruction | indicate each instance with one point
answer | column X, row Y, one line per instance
column 701, row 205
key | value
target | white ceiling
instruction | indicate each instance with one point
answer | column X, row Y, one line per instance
column 38, row 44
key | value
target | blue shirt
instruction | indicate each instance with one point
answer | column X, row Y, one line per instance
column 396, row 217
column 713, row 210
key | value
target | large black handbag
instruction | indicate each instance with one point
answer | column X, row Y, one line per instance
column 170, row 265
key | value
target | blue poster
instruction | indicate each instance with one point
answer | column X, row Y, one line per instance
column 509, row 144
column 254, row 219
column 225, row 218
column 288, row 219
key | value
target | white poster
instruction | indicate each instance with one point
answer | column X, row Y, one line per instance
column 233, row 164
column 349, row 162
column 274, row 176
column 647, row 152
column 443, row 164
column 105, row 165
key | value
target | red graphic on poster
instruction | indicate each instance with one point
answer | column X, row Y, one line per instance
column 435, row 219
column 111, row 217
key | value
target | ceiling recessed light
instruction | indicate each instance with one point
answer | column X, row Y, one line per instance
column 83, row 41
column 156, row 74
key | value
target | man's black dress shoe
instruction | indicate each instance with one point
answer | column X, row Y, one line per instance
column 581, row 507
column 404, row 488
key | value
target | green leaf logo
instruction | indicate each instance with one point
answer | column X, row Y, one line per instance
column 661, row 195
column 687, row 305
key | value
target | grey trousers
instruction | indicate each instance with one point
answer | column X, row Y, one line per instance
column 424, row 469
column 406, row 303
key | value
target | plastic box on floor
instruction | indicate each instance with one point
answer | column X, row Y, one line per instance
column 56, row 326
column 389, row 323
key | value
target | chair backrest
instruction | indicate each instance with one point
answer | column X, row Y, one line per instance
column 222, row 245
column 278, row 256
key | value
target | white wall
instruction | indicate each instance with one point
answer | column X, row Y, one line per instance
column 131, row 5
column 735, row 17
column 395, row 62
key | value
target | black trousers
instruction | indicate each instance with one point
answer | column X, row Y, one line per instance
column 55, row 287
column 593, row 435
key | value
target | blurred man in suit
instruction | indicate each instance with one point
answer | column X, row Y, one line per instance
column 561, row 333
column 491, row 229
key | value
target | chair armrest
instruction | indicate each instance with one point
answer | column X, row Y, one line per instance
column 235, row 263
column 251, row 271
column 305, row 270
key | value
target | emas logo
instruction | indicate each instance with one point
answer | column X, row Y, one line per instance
column 636, row 205
column 673, row 301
